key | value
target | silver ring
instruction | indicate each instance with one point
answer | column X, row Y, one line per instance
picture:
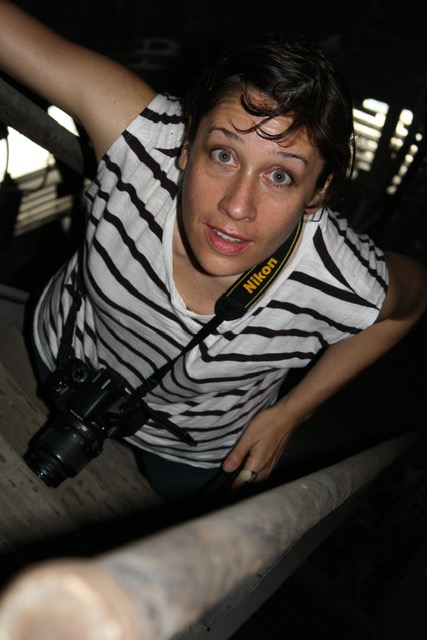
column 248, row 476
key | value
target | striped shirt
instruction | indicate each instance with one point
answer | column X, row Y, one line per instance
column 133, row 319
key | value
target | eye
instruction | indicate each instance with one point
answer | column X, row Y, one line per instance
column 223, row 156
column 280, row 177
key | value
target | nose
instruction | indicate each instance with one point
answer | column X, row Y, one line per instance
column 238, row 201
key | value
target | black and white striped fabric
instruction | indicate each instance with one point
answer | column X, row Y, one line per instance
column 133, row 319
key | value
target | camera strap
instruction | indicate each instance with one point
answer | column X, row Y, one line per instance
column 66, row 349
column 234, row 303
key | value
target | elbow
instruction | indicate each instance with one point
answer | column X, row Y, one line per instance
column 407, row 290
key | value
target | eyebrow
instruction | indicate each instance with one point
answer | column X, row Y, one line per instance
column 296, row 156
column 226, row 132
column 234, row 136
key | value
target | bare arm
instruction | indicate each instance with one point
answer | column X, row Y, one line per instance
column 265, row 439
column 101, row 94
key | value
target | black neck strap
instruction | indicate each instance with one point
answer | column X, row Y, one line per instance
column 251, row 285
column 234, row 303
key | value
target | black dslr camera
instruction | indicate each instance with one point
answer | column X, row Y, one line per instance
column 91, row 409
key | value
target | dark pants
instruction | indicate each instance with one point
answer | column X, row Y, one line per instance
column 177, row 482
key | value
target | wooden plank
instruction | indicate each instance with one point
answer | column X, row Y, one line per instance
column 29, row 510
column 107, row 488
column 119, row 473
column 14, row 357
column 115, row 467
column 34, row 525
column 85, row 515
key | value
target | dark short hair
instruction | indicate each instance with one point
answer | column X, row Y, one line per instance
column 285, row 75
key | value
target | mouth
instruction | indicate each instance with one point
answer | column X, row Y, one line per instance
column 226, row 244
column 226, row 237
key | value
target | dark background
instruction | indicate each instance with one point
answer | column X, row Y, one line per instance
column 195, row 29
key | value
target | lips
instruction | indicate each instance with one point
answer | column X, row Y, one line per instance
column 225, row 243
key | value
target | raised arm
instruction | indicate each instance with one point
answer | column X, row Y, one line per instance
column 98, row 92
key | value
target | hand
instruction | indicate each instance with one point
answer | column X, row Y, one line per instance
column 261, row 445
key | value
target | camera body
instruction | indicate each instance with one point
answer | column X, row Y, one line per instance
column 89, row 407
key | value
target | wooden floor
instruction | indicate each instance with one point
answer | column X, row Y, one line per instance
column 82, row 515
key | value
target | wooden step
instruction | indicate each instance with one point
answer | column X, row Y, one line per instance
column 29, row 510
column 110, row 485
column 110, row 489
column 14, row 357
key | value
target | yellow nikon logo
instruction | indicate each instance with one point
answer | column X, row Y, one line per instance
column 257, row 278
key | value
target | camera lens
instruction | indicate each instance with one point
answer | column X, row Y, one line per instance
column 47, row 467
column 63, row 450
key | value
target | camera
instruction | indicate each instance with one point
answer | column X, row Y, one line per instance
column 91, row 408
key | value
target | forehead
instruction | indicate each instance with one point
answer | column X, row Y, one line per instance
column 230, row 118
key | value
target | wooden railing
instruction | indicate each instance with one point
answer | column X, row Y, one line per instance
column 183, row 581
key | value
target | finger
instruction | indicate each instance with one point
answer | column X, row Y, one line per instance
column 235, row 459
column 247, row 476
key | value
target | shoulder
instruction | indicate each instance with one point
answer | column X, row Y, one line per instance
column 161, row 123
column 335, row 227
column 157, row 131
column 355, row 255
column 140, row 171
column 339, row 268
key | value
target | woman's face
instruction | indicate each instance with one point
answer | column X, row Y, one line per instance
column 242, row 194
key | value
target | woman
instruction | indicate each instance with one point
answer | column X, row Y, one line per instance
column 182, row 207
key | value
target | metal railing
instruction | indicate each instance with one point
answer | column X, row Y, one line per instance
column 178, row 581
column 21, row 113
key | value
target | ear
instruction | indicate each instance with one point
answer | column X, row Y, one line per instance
column 319, row 197
column 183, row 156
